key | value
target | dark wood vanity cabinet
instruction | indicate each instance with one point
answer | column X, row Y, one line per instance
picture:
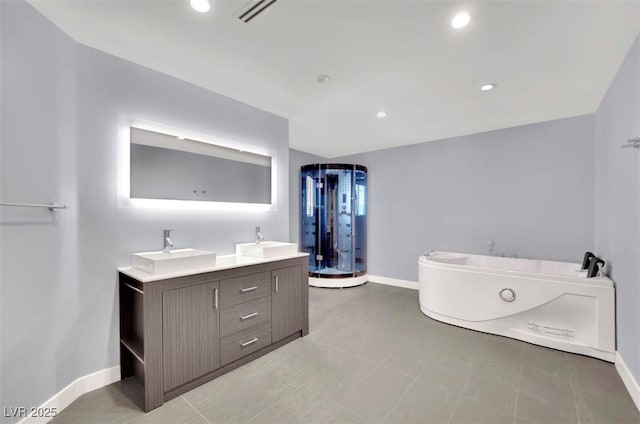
column 286, row 315
column 180, row 332
column 190, row 336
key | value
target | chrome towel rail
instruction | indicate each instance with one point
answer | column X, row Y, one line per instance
column 50, row 206
column 633, row 142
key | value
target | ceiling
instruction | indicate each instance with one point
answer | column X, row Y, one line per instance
column 550, row 59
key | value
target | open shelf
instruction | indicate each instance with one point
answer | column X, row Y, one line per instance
column 135, row 347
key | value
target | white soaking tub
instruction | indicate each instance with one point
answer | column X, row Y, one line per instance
column 548, row 303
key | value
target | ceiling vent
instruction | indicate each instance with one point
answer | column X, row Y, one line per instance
column 253, row 9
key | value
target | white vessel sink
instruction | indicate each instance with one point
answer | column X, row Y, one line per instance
column 178, row 260
column 266, row 249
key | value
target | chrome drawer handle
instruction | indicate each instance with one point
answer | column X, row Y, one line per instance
column 248, row 289
column 255, row 314
column 250, row 342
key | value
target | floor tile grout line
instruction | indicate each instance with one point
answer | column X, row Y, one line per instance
column 346, row 407
column 279, row 397
column 461, row 395
column 567, row 360
column 192, row 407
column 598, row 393
column 575, row 399
column 378, row 366
column 409, row 387
column 338, row 403
column 515, row 406
column 404, row 337
column 266, row 408
column 381, row 363
column 340, row 315
column 369, row 306
column 455, row 407
column 450, row 392
column 354, row 387
column 337, row 349
column 364, row 377
column 387, row 367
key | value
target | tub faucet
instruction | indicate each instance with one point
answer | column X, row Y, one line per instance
column 490, row 245
column 259, row 236
column 167, row 244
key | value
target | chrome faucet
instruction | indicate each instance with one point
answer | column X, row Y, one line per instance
column 167, row 244
column 490, row 246
column 259, row 236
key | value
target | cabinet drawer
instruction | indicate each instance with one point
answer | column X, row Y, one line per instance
column 237, row 345
column 244, row 315
column 243, row 289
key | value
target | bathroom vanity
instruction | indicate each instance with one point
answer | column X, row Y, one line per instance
column 180, row 331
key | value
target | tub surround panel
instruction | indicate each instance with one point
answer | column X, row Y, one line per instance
column 617, row 201
column 547, row 303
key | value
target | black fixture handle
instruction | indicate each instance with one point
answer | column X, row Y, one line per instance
column 595, row 264
column 587, row 259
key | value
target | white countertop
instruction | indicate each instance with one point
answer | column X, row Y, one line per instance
column 222, row 262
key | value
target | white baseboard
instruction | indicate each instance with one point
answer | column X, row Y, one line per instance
column 77, row 388
column 627, row 378
column 394, row 282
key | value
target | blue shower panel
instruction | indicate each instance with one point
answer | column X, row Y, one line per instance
column 333, row 219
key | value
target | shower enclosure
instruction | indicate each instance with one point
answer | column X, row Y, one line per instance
column 333, row 223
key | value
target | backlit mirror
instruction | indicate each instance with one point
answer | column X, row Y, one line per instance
column 175, row 168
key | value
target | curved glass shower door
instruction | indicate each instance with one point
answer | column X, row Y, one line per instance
column 333, row 219
column 360, row 220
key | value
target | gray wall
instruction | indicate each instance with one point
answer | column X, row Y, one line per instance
column 40, row 305
column 528, row 188
column 108, row 87
column 617, row 217
column 61, row 103
column 296, row 160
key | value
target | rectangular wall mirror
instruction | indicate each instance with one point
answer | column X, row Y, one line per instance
column 175, row 168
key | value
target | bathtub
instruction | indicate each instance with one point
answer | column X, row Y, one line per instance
column 547, row 303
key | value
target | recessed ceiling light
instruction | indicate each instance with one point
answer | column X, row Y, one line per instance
column 323, row 79
column 462, row 19
column 201, row 6
column 487, row 87
column 381, row 114
column 180, row 138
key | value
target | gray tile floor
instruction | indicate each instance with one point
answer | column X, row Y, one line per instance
column 372, row 356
